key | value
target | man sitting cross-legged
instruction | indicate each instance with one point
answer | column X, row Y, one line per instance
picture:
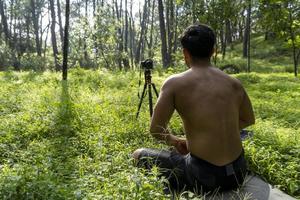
column 214, row 107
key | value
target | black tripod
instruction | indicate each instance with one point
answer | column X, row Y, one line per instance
column 150, row 85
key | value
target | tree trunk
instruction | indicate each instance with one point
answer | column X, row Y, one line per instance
column 126, row 28
column 175, row 31
column 120, row 37
column 294, row 47
column 66, row 42
column 194, row 11
column 94, row 8
column 46, row 39
column 132, row 36
column 142, row 34
column 223, row 42
column 1, row 30
column 96, row 49
column 228, row 33
column 11, row 15
column 15, row 44
column 8, row 37
column 297, row 62
column 20, row 49
column 61, row 30
column 126, row 33
column 248, row 34
column 164, row 49
column 85, row 53
column 4, row 23
column 170, row 25
column 150, row 46
column 53, row 35
column 247, row 31
column 27, row 32
column 35, row 18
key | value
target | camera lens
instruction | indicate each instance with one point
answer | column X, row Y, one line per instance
column 147, row 64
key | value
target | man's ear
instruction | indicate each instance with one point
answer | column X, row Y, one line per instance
column 187, row 57
column 213, row 52
column 184, row 53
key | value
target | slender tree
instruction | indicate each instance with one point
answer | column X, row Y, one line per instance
column 61, row 30
column 247, row 30
column 85, row 52
column 53, row 35
column 164, row 49
column 150, row 45
column 170, row 27
column 4, row 22
column 35, row 19
column 66, row 42
column 248, row 35
column 141, row 41
column 293, row 37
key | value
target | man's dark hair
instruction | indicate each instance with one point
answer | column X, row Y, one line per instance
column 199, row 40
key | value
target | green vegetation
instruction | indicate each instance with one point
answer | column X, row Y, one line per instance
column 119, row 34
column 73, row 140
column 267, row 56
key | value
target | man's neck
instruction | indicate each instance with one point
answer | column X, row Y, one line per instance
column 200, row 63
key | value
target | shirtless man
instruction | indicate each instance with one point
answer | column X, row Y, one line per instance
column 214, row 108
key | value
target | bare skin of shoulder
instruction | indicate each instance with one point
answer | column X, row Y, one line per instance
column 214, row 107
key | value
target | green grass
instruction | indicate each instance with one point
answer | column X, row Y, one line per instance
column 271, row 56
column 73, row 140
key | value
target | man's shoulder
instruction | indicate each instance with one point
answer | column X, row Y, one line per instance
column 234, row 81
column 172, row 81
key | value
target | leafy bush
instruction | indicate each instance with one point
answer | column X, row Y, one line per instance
column 33, row 62
column 5, row 57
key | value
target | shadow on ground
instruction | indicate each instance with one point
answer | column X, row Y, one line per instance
column 63, row 146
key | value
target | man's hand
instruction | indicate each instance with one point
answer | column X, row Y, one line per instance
column 181, row 146
column 178, row 143
column 246, row 114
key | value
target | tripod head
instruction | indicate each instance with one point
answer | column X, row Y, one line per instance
column 147, row 65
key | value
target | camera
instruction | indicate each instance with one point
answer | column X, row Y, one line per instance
column 147, row 64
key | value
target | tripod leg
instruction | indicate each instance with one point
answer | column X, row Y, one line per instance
column 155, row 90
column 150, row 100
column 141, row 100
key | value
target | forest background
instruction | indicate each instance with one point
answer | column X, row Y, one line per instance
column 118, row 34
column 73, row 139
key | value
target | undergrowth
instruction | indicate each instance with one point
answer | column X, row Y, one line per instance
column 73, row 140
column 267, row 56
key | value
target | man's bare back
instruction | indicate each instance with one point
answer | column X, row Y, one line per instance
column 208, row 102
column 214, row 107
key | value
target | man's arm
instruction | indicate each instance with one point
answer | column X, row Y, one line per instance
column 163, row 111
column 246, row 115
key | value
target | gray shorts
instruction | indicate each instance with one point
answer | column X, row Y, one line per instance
column 188, row 172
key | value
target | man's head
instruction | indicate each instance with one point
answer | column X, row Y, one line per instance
column 198, row 43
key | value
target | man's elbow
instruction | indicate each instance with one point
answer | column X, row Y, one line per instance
column 152, row 130
column 156, row 130
column 246, row 123
column 155, row 133
column 252, row 120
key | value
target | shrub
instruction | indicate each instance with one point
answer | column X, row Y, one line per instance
column 33, row 62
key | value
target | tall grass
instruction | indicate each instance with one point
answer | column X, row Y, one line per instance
column 73, row 140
